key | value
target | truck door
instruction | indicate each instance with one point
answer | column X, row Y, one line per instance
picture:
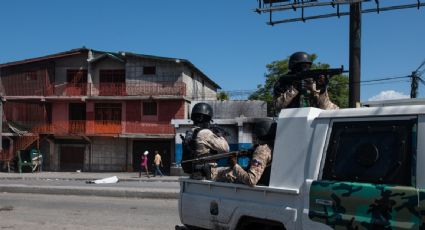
column 368, row 176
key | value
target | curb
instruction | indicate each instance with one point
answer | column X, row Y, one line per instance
column 100, row 191
column 86, row 179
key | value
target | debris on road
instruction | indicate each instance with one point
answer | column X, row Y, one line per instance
column 108, row 180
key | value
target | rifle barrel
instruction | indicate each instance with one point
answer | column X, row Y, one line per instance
column 314, row 73
column 213, row 157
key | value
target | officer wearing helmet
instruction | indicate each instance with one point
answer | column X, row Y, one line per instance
column 201, row 140
column 264, row 131
column 288, row 94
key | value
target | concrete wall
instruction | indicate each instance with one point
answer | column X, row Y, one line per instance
column 108, row 154
column 165, row 71
column 63, row 64
column 197, row 87
column 232, row 109
column 60, row 113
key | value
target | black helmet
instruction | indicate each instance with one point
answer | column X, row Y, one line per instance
column 299, row 58
column 265, row 129
column 202, row 112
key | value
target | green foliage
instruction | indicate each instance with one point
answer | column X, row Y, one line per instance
column 338, row 85
column 222, row 96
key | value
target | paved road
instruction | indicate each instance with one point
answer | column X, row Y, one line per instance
column 51, row 212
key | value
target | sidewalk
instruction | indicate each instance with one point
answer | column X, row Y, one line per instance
column 73, row 183
column 122, row 176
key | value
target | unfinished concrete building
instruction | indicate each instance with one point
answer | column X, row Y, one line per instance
column 97, row 111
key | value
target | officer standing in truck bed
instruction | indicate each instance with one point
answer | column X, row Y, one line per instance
column 306, row 93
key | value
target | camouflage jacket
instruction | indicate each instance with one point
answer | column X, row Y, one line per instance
column 206, row 141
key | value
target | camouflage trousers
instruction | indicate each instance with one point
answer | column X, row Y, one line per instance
column 237, row 174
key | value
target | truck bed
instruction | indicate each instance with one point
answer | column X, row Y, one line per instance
column 212, row 205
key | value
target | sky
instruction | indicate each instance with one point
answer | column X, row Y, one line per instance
column 226, row 39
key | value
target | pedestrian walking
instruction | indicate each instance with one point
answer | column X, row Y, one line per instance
column 144, row 164
column 158, row 163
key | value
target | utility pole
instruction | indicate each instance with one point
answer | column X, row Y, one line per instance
column 414, row 85
column 355, row 54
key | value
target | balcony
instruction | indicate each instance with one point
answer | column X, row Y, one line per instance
column 107, row 127
column 96, row 127
column 139, row 89
column 149, row 128
column 98, row 89
column 77, row 126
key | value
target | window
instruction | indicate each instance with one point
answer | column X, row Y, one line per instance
column 371, row 152
column 76, row 76
column 107, row 111
column 149, row 109
column 112, row 76
column 149, row 70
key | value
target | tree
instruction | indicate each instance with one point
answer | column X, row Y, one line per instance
column 222, row 96
column 338, row 85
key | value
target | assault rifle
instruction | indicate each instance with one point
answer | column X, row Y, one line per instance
column 218, row 156
column 219, row 130
column 314, row 74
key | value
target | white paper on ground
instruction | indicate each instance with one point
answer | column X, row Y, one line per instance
column 108, row 180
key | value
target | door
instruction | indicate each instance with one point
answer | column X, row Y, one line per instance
column 71, row 158
column 164, row 148
column 77, row 117
column 368, row 179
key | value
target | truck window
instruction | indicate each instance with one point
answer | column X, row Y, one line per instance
column 372, row 152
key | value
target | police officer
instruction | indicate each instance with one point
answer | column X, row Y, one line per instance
column 201, row 140
column 206, row 142
column 286, row 94
column 264, row 132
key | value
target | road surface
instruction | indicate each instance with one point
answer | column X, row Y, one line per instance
column 52, row 212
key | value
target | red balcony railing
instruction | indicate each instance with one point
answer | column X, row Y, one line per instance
column 77, row 127
column 107, row 127
column 149, row 128
column 102, row 127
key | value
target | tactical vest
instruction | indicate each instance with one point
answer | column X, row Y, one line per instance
column 189, row 150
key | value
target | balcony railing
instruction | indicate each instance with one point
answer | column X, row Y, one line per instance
column 98, row 89
column 107, row 127
column 77, row 127
column 96, row 127
column 149, row 128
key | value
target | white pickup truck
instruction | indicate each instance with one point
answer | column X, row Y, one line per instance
column 360, row 168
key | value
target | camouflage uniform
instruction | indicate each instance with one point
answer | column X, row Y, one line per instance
column 285, row 98
column 323, row 101
column 320, row 99
column 206, row 141
column 260, row 159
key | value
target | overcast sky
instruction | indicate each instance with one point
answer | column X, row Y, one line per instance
column 224, row 38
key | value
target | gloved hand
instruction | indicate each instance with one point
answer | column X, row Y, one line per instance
column 233, row 161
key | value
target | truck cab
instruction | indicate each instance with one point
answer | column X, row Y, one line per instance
column 357, row 168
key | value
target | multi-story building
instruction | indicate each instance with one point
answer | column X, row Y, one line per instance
column 97, row 111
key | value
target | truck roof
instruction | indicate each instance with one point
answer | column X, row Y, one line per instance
column 374, row 111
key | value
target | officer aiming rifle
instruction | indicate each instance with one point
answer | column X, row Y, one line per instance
column 302, row 87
